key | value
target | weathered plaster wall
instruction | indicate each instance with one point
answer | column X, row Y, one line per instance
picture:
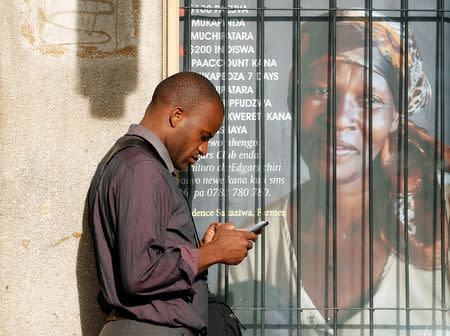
column 74, row 74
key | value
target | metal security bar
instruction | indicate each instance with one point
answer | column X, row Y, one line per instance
column 262, row 314
column 296, row 98
column 261, row 95
column 371, row 281
column 441, row 86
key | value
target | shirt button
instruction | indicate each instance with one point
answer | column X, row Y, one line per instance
column 311, row 319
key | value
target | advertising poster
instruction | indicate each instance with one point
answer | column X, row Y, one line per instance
column 336, row 132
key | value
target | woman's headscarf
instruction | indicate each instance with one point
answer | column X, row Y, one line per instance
column 352, row 42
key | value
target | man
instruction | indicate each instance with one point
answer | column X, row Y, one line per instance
column 151, row 272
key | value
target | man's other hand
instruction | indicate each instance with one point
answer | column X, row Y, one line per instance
column 223, row 243
column 232, row 244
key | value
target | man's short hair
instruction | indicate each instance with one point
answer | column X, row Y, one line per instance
column 188, row 89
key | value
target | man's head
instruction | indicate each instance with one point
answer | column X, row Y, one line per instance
column 185, row 112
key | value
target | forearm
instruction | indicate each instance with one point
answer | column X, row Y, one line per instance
column 155, row 271
column 208, row 257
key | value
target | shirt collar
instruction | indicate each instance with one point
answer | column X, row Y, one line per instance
column 151, row 137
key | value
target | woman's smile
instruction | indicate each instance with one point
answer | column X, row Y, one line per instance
column 343, row 149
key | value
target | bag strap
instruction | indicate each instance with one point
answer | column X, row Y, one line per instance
column 197, row 239
column 135, row 142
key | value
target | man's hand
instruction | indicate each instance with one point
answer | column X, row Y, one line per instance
column 209, row 234
column 232, row 244
column 222, row 243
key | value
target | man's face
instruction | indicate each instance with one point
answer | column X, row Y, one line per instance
column 194, row 132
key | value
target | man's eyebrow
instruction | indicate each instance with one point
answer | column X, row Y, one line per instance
column 209, row 134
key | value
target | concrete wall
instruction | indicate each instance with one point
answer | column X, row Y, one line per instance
column 74, row 74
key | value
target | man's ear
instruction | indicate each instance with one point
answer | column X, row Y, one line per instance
column 176, row 115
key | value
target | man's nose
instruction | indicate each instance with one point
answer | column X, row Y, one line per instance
column 347, row 112
column 203, row 148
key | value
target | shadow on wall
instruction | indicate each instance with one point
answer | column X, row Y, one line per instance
column 91, row 317
column 107, row 53
column 2, row 122
column 107, row 44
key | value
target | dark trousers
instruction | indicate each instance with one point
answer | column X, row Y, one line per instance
column 136, row 328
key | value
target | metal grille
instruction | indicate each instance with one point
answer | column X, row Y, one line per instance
column 268, row 307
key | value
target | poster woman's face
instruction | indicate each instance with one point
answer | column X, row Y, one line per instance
column 352, row 119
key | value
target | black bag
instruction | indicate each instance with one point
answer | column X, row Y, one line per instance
column 221, row 319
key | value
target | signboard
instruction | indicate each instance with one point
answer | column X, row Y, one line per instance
column 323, row 159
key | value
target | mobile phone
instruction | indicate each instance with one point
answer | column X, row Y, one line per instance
column 258, row 226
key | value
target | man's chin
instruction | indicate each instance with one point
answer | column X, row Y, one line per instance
column 182, row 166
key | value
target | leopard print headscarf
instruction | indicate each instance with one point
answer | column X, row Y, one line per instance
column 352, row 47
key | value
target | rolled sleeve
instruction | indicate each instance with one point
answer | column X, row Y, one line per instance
column 191, row 257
